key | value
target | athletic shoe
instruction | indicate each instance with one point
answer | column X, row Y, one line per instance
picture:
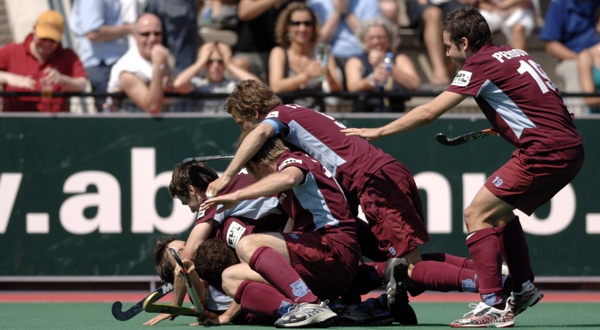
column 529, row 296
column 396, row 271
column 364, row 314
column 307, row 315
column 484, row 316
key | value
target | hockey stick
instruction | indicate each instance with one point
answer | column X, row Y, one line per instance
column 207, row 158
column 461, row 139
column 151, row 307
column 139, row 307
column 188, row 282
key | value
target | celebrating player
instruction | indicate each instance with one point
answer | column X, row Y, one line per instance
column 526, row 109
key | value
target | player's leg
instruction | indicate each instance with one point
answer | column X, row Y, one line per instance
column 485, row 213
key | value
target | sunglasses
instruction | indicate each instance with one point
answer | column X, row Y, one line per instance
column 215, row 61
column 298, row 23
column 147, row 34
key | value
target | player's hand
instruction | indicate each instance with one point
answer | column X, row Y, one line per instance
column 367, row 133
column 227, row 200
column 189, row 265
column 159, row 318
column 216, row 186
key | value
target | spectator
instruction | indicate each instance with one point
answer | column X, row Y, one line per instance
column 40, row 63
column 390, row 11
column 130, row 11
column 213, row 59
column 180, row 23
column 340, row 20
column 570, row 29
column 143, row 73
column 294, row 65
column 367, row 72
column 425, row 16
column 256, row 34
column 515, row 18
column 100, row 38
column 589, row 71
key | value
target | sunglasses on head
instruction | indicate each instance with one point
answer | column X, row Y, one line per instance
column 147, row 34
column 298, row 23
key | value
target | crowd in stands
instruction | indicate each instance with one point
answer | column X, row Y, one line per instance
column 146, row 48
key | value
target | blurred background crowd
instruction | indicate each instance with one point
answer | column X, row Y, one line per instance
column 371, row 55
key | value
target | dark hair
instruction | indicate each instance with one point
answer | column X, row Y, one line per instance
column 164, row 266
column 467, row 22
column 211, row 259
column 194, row 173
column 283, row 20
column 250, row 97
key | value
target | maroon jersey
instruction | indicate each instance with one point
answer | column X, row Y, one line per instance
column 318, row 202
column 518, row 99
column 351, row 159
column 263, row 213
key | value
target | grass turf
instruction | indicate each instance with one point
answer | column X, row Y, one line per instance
column 431, row 316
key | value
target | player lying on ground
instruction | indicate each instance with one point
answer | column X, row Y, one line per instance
column 188, row 184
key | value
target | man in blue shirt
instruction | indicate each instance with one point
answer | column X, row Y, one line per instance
column 570, row 28
column 101, row 40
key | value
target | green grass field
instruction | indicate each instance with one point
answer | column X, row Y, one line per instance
column 431, row 316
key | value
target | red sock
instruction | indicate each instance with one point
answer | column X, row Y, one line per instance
column 484, row 247
column 281, row 275
column 514, row 247
column 457, row 261
column 444, row 277
column 261, row 299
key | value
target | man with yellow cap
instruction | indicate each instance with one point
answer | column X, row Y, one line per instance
column 40, row 63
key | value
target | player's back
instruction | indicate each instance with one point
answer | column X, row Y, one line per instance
column 518, row 98
column 351, row 159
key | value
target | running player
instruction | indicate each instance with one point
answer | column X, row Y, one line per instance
column 525, row 107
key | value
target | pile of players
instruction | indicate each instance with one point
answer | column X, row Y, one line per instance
column 288, row 201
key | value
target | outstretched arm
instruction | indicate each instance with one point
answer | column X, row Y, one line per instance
column 271, row 184
column 418, row 117
column 249, row 147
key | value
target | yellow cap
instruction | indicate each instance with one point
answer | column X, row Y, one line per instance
column 49, row 25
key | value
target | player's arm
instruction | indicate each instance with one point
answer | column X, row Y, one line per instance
column 249, row 147
column 288, row 178
column 199, row 234
column 231, row 313
column 418, row 117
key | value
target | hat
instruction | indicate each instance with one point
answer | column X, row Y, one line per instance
column 49, row 25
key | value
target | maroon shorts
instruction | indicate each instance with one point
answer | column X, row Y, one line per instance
column 327, row 262
column 528, row 180
column 392, row 205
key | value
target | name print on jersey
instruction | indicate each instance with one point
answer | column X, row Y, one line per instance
column 513, row 53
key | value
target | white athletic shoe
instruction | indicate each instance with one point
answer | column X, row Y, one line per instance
column 529, row 296
column 484, row 316
column 307, row 315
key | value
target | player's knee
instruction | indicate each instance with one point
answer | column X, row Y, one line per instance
column 245, row 248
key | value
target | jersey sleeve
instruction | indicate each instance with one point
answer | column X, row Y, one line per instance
column 469, row 80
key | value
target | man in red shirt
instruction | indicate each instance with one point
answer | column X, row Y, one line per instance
column 40, row 63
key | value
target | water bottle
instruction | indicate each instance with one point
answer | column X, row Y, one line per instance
column 388, row 61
